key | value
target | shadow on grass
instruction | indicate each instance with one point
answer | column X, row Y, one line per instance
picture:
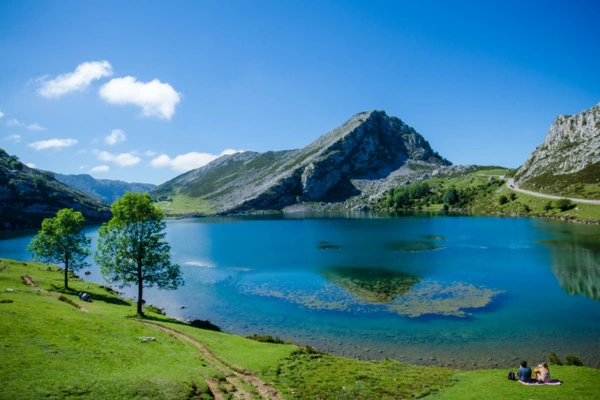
column 109, row 299
column 200, row 324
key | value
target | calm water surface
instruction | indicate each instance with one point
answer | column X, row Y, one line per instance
column 466, row 292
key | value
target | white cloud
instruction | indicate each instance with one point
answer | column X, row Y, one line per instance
column 84, row 167
column 1, row 114
column 14, row 122
column 122, row 159
column 31, row 165
column 77, row 80
column 35, row 127
column 100, row 168
column 52, row 144
column 13, row 138
column 115, row 137
column 189, row 161
column 149, row 153
column 199, row 264
column 155, row 98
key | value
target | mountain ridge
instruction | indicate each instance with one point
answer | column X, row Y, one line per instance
column 107, row 190
column 370, row 146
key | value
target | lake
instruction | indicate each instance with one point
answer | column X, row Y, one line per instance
column 468, row 292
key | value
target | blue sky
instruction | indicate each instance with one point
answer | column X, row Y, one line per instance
column 143, row 90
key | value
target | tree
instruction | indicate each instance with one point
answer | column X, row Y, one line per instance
column 61, row 241
column 451, row 196
column 502, row 199
column 548, row 206
column 564, row 204
column 132, row 248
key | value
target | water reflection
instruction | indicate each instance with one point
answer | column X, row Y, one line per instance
column 576, row 263
column 372, row 285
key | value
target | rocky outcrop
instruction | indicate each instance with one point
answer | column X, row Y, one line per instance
column 368, row 150
column 572, row 144
column 28, row 195
column 103, row 189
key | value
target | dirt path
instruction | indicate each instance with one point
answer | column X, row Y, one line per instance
column 512, row 186
column 233, row 376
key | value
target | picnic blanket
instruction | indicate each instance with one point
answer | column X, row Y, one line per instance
column 536, row 383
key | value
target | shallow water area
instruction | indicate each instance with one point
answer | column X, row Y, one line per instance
column 467, row 292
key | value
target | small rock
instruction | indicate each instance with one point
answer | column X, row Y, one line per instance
column 10, row 290
column 182, row 307
column 147, row 339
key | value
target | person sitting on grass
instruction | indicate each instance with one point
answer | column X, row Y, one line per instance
column 542, row 373
column 524, row 373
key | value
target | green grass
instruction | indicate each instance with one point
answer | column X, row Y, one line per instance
column 181, row 204
column 578, row 383
column 51, row 349
column 584, row 184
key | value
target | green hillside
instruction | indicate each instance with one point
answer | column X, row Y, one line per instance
column 28, row 195
column 57, row 347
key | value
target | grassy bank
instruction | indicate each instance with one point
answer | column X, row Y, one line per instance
column 480, row 192
column 56, row 347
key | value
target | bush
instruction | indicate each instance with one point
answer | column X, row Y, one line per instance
column 554, row 359
column 512, row 196
column 265, row 338
column 502, row 200
column 154, row 310
column 548, row 206
column 68, row 301
column 573, row 360
column 564, row 204
column 198, row 323
column 6, row 301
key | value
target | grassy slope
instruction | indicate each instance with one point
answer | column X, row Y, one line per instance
column 584, row 184
column 489, row 204
column 50, row 349
column 578, row 383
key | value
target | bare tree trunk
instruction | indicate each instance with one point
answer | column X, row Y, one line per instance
column 67, row 274
column 140, row 291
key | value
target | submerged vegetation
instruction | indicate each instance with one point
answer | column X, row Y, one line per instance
column 412, row 246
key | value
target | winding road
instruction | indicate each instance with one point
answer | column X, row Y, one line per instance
column 511, row 185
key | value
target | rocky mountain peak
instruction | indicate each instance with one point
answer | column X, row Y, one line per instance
column 571, row 144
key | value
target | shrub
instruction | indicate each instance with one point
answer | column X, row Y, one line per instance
column 502, row 200
column 6, row 301
column 512, row 196
column 564, row 204
column 198, row 323
column 548, row 206
column 573, row 360
column 155, row 310
column 265, row 338
column 68, row 301
column 554, row 359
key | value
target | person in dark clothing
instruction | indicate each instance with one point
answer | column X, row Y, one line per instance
column 524, row 373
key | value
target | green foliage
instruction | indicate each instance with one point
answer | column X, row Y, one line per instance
column 451, row 196
column 61, row 241
column 548, row 206
column 564, row 204
column 573, row 360
column 67, row 300
column 583, row 184
column 554, row 359
column 265, row 338
column 502, row 200
column 40, row 182
column 512, row 196
column 132, row 248
column 205, row 324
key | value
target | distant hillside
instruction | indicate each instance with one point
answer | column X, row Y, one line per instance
column 568, row 162
column 103, row 189
column 28, row 195
column 365, row 155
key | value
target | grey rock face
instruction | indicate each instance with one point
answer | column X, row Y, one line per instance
column 369, row 152
column 572, row 143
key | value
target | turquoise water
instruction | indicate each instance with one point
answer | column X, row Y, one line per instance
column 467, row 292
